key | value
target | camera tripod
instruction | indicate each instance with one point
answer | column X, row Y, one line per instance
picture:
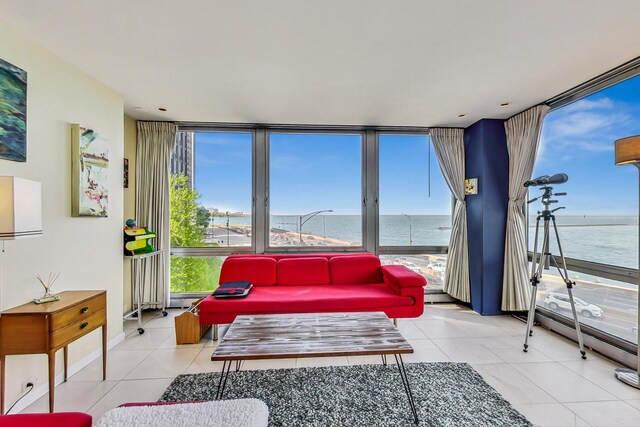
column 541, row 259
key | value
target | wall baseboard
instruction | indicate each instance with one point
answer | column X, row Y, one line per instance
column 43, row 389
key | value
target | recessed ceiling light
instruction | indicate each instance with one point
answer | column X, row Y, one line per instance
column 505, row 104
column 460, row 116
column 162, row 109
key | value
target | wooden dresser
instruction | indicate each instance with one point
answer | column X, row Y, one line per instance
column 46, row 328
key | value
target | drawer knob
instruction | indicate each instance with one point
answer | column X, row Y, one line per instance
column 84, row 325
column 84, row 310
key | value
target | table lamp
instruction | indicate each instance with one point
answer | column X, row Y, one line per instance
column 20, row 210
column 628, row 153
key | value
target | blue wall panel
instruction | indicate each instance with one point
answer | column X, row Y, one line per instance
column 487, row 158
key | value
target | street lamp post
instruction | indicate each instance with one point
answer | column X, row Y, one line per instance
column 324, row 226
column 410, row 229
column 302, row 219
column 228, row 228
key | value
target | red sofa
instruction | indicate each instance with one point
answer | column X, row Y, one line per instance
column 315, row 283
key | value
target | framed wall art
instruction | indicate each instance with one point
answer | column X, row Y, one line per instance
column 125, row 174
column 90, row 172
column 13, row 112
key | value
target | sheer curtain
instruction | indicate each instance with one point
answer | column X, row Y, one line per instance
column 449, row 146
column 153, row 152
column 523, row 138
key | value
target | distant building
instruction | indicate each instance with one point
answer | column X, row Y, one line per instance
column 182, row 157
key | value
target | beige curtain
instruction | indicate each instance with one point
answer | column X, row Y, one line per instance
column 449, row 147
column 153, row 152
column 523, row 137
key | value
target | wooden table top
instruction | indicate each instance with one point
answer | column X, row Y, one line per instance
column 67, row 298
column 282, row 336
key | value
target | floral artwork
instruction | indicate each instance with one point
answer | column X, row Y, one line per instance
column 471, row 186
column 13, row 112
column 90, row 172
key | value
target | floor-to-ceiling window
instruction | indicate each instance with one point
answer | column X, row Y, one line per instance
column 211, row 197
column 414, row 205
column 315, row 189
column 256, row 190
column 598, row 226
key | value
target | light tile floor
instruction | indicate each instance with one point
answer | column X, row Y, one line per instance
column 551, row 385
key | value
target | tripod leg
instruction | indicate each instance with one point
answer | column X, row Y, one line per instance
column 541, row 262
column 534, row 284
column 577, row 323
column 530, row 317
column 535, row 248
column 569, row 284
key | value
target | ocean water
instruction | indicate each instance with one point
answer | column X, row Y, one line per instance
column 433, row 230
column 604, row 239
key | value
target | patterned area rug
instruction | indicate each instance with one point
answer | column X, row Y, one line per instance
column 446, row 394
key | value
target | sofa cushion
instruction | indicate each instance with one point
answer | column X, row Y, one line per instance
column 356, row 269
column 303, row 271
column 260, row 271
column 310, row 299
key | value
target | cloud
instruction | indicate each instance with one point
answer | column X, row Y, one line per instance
column 586, row 126
column 589, row 104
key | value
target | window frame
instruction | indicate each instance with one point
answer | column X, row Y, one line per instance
column 403, row 249
column 260, row 210
column 611, row 78
column 617, row 348
column 363, row 191
column 227, row 250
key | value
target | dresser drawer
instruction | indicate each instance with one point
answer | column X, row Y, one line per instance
column 78, row 329
column 78, row 312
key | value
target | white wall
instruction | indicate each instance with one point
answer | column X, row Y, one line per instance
column 130, row 144
column 86, row 251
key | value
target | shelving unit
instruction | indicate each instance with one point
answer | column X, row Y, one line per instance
column 137, row 303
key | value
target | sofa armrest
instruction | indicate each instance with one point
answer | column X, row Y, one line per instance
column 399, row 276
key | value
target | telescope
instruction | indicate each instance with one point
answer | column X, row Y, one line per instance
column 559, row 178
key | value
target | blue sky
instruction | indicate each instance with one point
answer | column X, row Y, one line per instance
column 223, row 170
column 405, row 161
column 312, row 172
column 578, row 139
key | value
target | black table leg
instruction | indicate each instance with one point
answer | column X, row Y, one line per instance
column 407, row 386
column 384, row 359
column 226, row 367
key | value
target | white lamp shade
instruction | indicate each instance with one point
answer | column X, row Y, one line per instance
column 20, row 208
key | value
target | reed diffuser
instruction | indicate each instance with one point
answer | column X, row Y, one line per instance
column 48, row 296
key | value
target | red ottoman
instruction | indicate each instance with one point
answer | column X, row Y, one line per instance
column 56, row 419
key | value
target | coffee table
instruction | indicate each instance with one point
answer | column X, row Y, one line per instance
column 282, row 336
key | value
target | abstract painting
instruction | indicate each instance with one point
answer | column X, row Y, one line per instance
column 13, row 112
column 90, row 177
column 125, row 176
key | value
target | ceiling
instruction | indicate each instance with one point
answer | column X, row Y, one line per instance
column 358, row 62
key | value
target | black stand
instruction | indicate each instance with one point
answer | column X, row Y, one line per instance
column 407, row 386
column 222, row 382
column 542, row 258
